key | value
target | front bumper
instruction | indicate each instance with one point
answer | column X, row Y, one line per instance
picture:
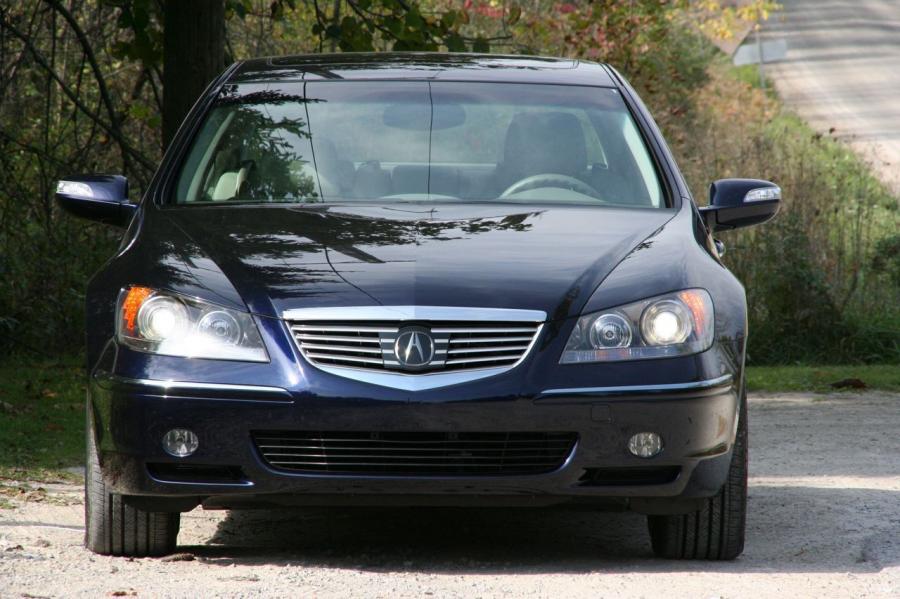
column 696, row 420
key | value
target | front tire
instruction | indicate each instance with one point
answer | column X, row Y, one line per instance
column 111, row 526
column 716, row 531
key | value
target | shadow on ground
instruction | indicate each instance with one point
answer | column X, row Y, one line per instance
column 790, row 529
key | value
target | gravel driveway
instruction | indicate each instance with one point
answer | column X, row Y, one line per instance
column 824, row 521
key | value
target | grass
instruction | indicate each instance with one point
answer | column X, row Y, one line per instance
column 882, row 377
column 749, row 74
column 41, row 419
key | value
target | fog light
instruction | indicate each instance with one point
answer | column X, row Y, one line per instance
column 180, row 442
column 645, row 445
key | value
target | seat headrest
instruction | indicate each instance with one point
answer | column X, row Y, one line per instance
column 325, row 156
column 545, row 142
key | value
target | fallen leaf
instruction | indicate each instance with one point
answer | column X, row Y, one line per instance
column 850, row 383
column 179, row 557
column 247, row 578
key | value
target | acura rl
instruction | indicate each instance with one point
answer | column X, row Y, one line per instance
column 417, row 279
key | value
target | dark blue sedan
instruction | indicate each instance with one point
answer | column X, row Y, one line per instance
column 417, row 279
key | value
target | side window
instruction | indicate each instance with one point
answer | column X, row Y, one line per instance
column 642, row 159
column 201, row 160
column 251, row 151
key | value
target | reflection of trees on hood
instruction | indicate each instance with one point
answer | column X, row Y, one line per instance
column 346, row 233
column 440, row 230
column 285, row 249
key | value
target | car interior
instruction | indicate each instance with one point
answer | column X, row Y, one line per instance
column 547, row 154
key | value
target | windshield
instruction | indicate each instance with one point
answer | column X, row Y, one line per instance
column 390, row 141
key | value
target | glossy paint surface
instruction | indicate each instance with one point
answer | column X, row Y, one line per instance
column 438, row 67
column 540, row 258
column 563, row 260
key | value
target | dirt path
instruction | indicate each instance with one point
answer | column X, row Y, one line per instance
column 841, row 73
column 824, row 521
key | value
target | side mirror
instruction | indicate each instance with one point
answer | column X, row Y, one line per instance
column 103, row 198
column 736, row 203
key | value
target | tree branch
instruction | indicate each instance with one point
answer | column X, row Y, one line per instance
column 18, row 61
column 98, row 74
column 157, row 96
column 368, row 19
column 112, row 131
column 321, row 20
column 32, row 149
column 335, row 21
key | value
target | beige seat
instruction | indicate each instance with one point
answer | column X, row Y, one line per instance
column 229, row 184
column 226, row 187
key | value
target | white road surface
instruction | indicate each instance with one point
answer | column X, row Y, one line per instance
column 824, row 521
column 842, row 72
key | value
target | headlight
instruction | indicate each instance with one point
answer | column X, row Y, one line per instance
column 159, row 322
column 675, row 324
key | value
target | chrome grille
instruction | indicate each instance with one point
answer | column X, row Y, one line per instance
column 474, row 346
column 367, row 343
column 415, row 453
column 458, row 346
column 342, row 344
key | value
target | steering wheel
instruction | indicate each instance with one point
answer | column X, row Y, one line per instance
column 550, row 180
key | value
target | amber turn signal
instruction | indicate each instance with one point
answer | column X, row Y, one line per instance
column 131, row 304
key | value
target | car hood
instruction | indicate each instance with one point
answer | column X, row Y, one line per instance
column 509, row 256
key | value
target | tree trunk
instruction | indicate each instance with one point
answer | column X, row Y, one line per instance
column 193, row 55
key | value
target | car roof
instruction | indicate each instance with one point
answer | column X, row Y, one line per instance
column 423, row 66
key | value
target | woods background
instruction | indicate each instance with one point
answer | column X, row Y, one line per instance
column 99, row 86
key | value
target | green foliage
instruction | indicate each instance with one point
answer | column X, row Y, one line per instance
column 45, row 257
column 348, row 25
column 646, row 40
column 790, row 304
column 143, row 20
column 369, row 25
column 886, row 258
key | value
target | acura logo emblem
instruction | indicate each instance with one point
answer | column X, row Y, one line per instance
column 414, row 348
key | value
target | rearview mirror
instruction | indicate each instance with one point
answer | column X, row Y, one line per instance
column 735, row 203
column 417, row 117
column 103, row 198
